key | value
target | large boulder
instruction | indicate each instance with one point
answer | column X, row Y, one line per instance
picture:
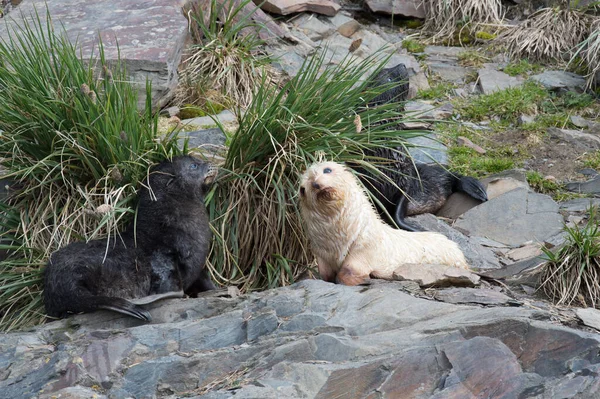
column 313, row 339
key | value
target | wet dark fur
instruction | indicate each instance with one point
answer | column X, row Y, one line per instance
column 410, row 189
column 165, row 251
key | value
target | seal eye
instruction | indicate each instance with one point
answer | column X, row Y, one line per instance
column 302, row 191
column 194, row 166
column 327, row 170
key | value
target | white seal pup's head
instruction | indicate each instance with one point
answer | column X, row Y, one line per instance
column 325, row 186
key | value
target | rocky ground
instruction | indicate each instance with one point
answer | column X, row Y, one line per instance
column 431, row 333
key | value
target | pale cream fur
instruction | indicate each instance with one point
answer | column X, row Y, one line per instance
column 349, row 239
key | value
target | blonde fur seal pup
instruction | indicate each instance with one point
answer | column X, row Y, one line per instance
column 349, row 239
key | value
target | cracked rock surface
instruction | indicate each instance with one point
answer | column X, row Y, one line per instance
column 310, row 340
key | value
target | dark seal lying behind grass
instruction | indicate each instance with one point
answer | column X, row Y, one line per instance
column 162, row 254
column 405, row 188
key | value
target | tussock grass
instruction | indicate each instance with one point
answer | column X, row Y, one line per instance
column 225, row 57
column 444, row 19
column 259, row 237
column 549, row 34
column 75, row 145
column 588, row 51
column 571, row 274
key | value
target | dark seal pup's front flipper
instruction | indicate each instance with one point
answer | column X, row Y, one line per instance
column 118, row 305
column 472, row 187
column 157, row 297
column 400, row 214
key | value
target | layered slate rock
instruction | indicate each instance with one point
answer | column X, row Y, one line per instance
column 285, row 7
column 407, row 8
column 149, row 34
column 514, row 218
column 313, row 339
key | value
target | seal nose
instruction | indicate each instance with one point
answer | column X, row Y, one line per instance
column 315, row 185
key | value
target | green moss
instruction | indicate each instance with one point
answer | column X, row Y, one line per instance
column 550, row 187
column 413, row 46
column 483, row 35
column 194, row 111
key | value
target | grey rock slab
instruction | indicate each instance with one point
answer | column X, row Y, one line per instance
column 428, row 149
column 588, row 187
column 579, row 204
column 451, row 52
column 407, row 8
column 496, row 186
column 209, row 138
column 514, row 218
column 589, row 316
column 435, row 275
column 478, row 257
column 364, row 341
column 491, row 80
column 576, row 137
column 424, row 110
column 560, row 80
column 223, row 117
column 148, row 34
column 449, row 73
column 481, row 296
column 285, row 7
column 313, row 27
column 457, row 204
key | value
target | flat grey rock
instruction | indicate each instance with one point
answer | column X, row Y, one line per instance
column 205, row 138
column 491, row 80
column 312, row 339
column 576, row 137
column 560, row 80
column 587, row 187
column 428, row 149
column 478, row 257
column 514, row 218
column 589, row 316
column 149, row 34
column 579, row 204
column 480, row 296
column 444, row 51
column 449, row 73
column 407, row 8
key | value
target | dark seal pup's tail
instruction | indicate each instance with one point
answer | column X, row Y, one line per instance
column 470, row 186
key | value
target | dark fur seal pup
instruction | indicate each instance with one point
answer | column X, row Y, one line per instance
column 160, row 255
column 410, row 189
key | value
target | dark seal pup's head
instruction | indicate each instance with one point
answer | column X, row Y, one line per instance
column 182, row 176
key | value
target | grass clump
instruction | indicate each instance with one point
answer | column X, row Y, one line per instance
column 572, row 272
column 506, row 104
column 413, row 46
column 225, row 64
column 440, row 90
column 259, row 241
column 549, row 34
column 472, row 58
column 521, row 67
column 75, row 146
column 466, row 161
column 449, row 20
column 543, row 185
column 588, row 53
